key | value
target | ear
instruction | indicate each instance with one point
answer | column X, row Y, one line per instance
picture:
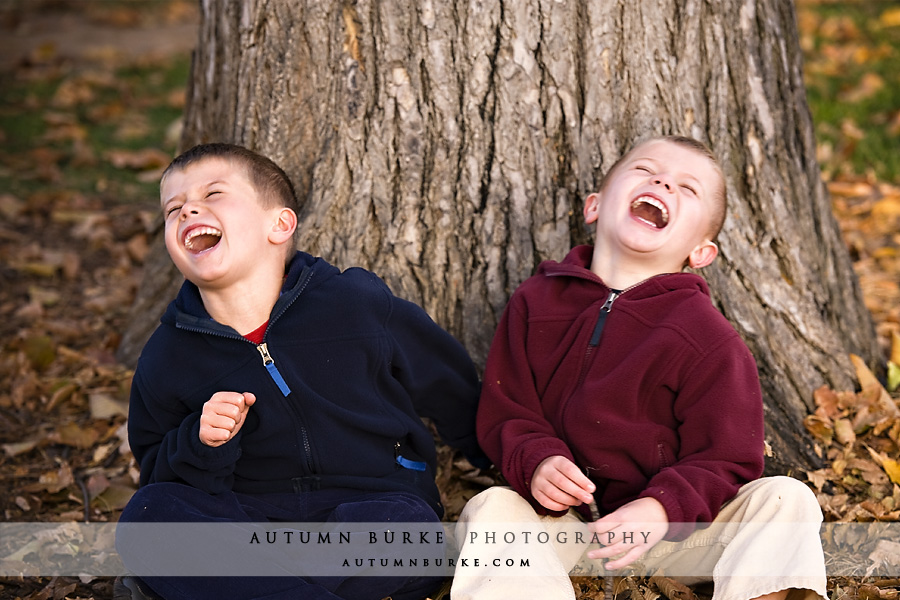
column 591, row 208
column 284, row 226
column 702, row 254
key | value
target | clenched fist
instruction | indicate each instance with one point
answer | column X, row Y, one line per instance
column 223, row 415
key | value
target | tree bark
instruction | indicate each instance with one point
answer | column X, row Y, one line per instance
column 448, row 145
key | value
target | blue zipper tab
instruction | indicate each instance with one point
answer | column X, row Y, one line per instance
column 269, row 363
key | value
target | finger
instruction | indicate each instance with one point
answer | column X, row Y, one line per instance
column 249, row 399
column 214, row 435
column 227, row 398
column 225, row 409
column 606, row 524
column 215, row 421
column 575, row 492
column 571, row 471
column 609, row 551
column 557, row 502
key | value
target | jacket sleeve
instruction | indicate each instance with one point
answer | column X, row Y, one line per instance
column 438, row 375
column 512, row 427
column 165, row 440
column 721, row 430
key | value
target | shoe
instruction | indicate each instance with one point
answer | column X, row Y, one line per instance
column 129, row 587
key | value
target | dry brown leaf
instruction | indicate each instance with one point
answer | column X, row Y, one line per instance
column 864, row 375
column 827, row 402
column 141, row 160
column 869, row 85
column 53, row 481
column 843, row 432
column 71, row 434
column 886, row 554
column 671, row 589
column 16, row 448
column 890, row 466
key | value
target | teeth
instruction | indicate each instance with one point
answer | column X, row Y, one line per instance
column 193, row 233
column 653, row 202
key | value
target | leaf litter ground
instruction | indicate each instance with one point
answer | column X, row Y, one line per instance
column 71, row 254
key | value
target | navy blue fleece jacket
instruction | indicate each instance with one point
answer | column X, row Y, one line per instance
column 352, row 369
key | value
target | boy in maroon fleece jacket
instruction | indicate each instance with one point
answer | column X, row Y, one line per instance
column 614, row 391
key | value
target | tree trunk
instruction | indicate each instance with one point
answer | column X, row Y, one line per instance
column 448, row 145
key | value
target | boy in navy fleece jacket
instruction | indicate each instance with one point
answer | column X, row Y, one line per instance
column 615, row 392
column 278, row 388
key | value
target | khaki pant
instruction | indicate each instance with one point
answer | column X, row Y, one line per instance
column 764, row 540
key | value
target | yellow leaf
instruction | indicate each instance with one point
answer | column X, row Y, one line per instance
column 893, row 376
column 890, row 17
column 887, row 208
column 892, row 468
column 863, row 374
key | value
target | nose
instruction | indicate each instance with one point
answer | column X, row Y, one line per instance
column 663, row 180
column 189, row 208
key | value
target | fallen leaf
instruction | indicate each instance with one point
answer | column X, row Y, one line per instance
column 890, row 466
column 843, row 432
column 141, row 160
column 104, row 406
column 890, row 18
column 886, row 554
column 114, row 497
column 40, row 351
column 53, row 481
column 16, row 448
column 864, row 375
column 71, row 434
column 869, row 85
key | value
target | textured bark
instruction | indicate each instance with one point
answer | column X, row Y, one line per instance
column 448, row 144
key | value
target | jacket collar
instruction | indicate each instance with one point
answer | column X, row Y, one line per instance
column 187, row 310
column 577, row 264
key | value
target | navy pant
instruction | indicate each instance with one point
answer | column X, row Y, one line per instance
column 177, row 503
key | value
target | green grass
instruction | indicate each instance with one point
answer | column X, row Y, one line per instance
column 54, row 139
column 848, row 46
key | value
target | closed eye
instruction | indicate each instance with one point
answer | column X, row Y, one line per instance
column 689, row 189
column 172, row 209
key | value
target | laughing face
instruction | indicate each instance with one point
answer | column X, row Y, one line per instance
column 658, row 206
column 216, row 228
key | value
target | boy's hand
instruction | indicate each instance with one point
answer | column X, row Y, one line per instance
column 632, row 529
column 559, row 484
column 223, row 415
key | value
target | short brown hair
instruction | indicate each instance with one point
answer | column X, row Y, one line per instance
column 270, row 182
column 721, row 194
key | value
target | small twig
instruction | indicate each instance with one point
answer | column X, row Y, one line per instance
column 86, row 498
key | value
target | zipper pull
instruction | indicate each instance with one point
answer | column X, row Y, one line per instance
column 601, row 319
column 269, row 364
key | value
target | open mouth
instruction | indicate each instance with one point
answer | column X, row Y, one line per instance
column 650, row 211
column 201, row 238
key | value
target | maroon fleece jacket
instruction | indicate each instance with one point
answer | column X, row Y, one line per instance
column 667, row 404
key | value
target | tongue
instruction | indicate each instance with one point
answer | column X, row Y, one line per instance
column 648, row 213
column 203, row 242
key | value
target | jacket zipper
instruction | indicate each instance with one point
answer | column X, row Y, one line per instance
column 598, row 331
column 601, row 319
column 274, row 373
column 268, row 361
